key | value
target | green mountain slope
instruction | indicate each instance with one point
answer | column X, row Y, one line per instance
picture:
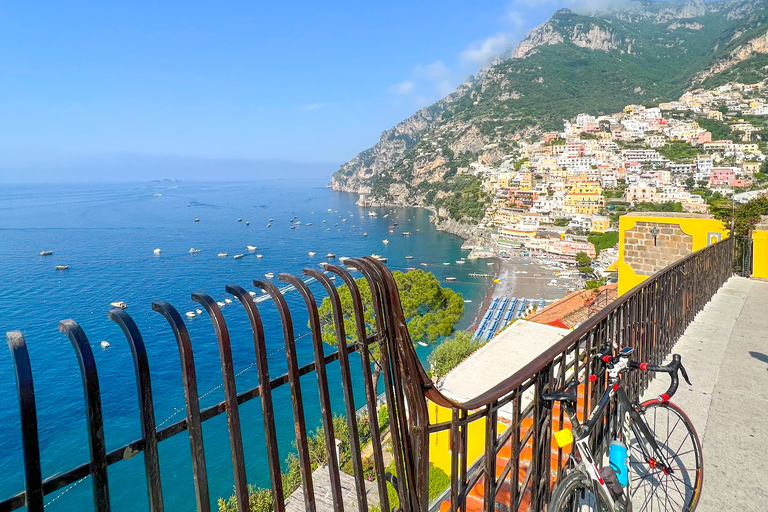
column 646, row 52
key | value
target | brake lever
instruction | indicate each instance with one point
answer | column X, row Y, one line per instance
column 685, row 374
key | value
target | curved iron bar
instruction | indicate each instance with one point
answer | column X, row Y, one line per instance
column 265, row 392
column 146, row 408
column 326, row 410
column 194, row 423
column 346, row 375
column 365, row 359
column 295, row 383
column 96, row 445
column 230, row 397
column 33, row 479
column 397, row 425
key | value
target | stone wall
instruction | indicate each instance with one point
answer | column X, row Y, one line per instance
column 646, row 257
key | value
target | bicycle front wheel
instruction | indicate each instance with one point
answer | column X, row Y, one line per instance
column 653, row 488
column 576, row 493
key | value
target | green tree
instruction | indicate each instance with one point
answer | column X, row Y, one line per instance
column 430, row 310
column 452, row 351
column 587, row 270
column 583, row 259
column 690, row 183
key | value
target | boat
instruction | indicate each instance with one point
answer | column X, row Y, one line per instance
column 190, row 314
column 385, row 241
column 343, row 258
column 259, row 256
column 104, row 344
column 411, row 269
column 328, row 229
column 312, row 253
column 269, row 225
column 269, row 275
column 323, row 220
column 467, row 300
column 446, row 264
column 391, row 228
column 409, row 257
column 309, row 224
column 406, row 233
column 194, row 251
column 221, row 303
column 460, row 262
column 247, row 223
column 46, row 253
column 199, row 311
column 228, row 301
column 379, row 258
column 62, row 267
column 239, row 220
column 237, row 256
column 423, row 264
column 343, row 220
column 197, row 220
column 330, row 255
column 270, row 220
column 450, row 279
column 251, row 247
column 423, row 344
column 252, row 294
column 293, row 227
column 118, row 304
column 222, row 255
column 157, row 251
column 365, row 234
column 373, row 214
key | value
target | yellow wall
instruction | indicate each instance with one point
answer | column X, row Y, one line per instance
column 698, row 227
column 760, row 254
column 440, row 442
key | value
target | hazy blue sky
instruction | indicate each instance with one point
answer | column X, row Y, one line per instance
column 88, row 86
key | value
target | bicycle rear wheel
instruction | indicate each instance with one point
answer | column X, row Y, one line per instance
column 575, row 493
column 651, row 488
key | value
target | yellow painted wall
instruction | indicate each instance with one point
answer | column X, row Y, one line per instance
column 440, row 442
column 699, row 228
column 760, row 254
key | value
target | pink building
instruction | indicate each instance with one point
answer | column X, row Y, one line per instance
column 722, row 176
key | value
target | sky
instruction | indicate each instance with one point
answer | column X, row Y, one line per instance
column 95, row 90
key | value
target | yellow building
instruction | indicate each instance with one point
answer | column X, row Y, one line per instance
column 750, row 167
column 760, row 250
column 600, row 224
column 585, row 198
column 651, row 242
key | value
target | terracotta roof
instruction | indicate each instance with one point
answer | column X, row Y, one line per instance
column 575, row 308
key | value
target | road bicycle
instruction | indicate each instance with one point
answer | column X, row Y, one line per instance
column 664, row 464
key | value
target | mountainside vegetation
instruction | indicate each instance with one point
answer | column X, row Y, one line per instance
column 644, row 52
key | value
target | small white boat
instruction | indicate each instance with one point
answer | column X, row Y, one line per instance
column 312, row 253
column 250, row 247
column 221, row 303
column 343, row 258
column 104, row 344
column 194, row 251
column 228, row 301
column 407, row 233
column 118, row 304
column 423, row 264
column 239, row 220
column 330, row 255
column 323, row 220
column 409, row 257
column 252, row 294
column 157, row 251
column 309, row 224
column 365, row 234
column 460, row 262
column 199, row 311
column 451, row 279
column 298, row 223
column 423, row 344
column 190, row 314
column 197, row 220
column 467, row 300
column 222, row 255
column 269, row 275
column 379, row 258
column 446, row 264
column 293, row 227
column 247, row 223
column 62, row 267
column 46, row 253
column 237, row 256
column 269, row 225
column 385, row 241
column 270, row 220
column 259, row 256
column 328, row 229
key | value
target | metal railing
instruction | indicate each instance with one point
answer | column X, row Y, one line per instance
column 650, row 317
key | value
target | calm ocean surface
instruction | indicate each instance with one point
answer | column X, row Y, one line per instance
column 106, row 234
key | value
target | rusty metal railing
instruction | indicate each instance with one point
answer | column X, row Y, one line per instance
column 650, row 317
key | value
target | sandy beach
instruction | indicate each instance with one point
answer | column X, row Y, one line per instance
column 523, row 277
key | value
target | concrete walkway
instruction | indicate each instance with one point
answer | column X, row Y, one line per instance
column 725, row 351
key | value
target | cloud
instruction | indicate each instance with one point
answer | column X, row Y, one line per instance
column 403, row 88
column 439, row 76
column 312, row 106
column 481, row 53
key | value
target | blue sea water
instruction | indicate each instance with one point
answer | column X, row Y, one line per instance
column 107, row 234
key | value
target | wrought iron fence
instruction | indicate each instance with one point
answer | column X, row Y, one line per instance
column 743, row 256
column 650, row 317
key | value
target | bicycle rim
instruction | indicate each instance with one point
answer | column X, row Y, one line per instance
column 652, row 488
column 575, row 493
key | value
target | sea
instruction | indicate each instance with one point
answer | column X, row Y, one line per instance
column 106, row 234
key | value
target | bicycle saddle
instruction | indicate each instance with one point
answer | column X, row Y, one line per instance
column 565, row 394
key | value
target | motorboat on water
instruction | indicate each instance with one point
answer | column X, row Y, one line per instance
column 118, row 304
column 269, row 275
column 365, row 234
column 308, row 224
column 157, row 251
column 330, row 255
column 411, row 269
column 421, row 343
column 450, row 279
column 252, row 294
column 343, row 258
column 408, row 257
column 379, row 258
column 190, row 314
column 46, row 253
column 423, row 264
column 237, row 256
column 385, row 241
column 222, row 255
column 293, row 227
column 407, row 233
column 446, row 264
column 104, row 344
column 460, row 262
column 312, row 253
column 62, row 267
column 251, row 247
column 239, row 220
column 197, row 220
column 199, row 311
column 221, row 303
column 194, row 251
column 259, row 256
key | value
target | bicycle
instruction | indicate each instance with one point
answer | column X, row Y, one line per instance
column 665, row 469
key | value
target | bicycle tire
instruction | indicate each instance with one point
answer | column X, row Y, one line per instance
column 569, row 495
column 650, row 487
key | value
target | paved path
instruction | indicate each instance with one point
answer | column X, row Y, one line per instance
column 725, row 351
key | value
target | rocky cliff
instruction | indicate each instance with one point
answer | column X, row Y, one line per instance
column 595, row 62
